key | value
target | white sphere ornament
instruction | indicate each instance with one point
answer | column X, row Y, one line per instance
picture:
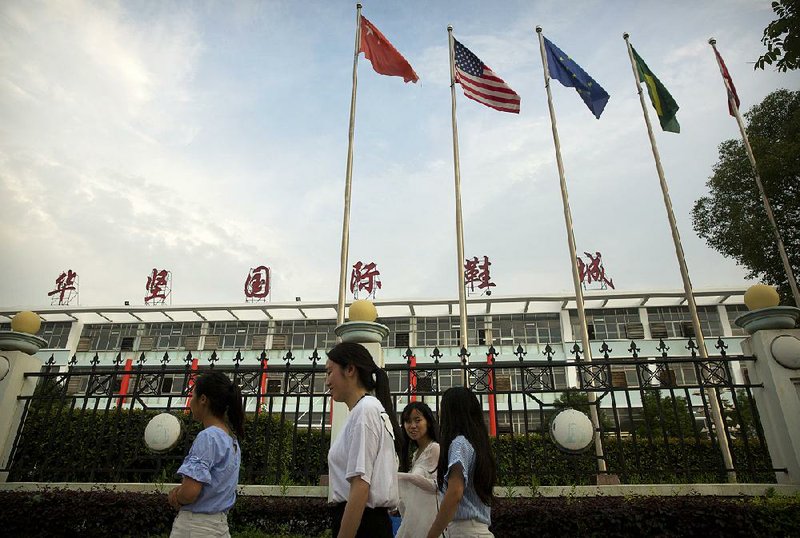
column 572, row 431
column 163, row 432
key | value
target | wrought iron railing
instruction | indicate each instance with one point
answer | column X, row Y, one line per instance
column 86, row 423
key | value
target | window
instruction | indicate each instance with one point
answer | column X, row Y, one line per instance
column 108, row 337
column 235, row 334
column 606, row 323
column 445, row 331
column 274, row 386
column 449, row 378
column 172, row 384
column 173, row 335
column 399, row 331
column 307, row 334
column 677, row 321
column 56, row 334
column 127, row 343
column 734, row 311
column 521, row 329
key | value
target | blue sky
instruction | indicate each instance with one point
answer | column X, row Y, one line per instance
column 210, row 137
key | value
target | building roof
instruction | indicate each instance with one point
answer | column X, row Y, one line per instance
column 386, row 308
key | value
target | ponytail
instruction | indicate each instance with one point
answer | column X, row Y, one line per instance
column 235, row 410
column 225, row 399
column 383, row 394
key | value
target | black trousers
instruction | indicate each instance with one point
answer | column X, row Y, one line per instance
column 375, row 522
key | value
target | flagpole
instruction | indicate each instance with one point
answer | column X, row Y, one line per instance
column 767, row 207
column 462, row 300
column 348, row 177
column 711, row 393
column 573, row 254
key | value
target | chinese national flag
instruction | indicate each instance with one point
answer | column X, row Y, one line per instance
column 384, row 57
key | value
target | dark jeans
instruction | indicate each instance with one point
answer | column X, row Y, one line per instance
column 375, row 522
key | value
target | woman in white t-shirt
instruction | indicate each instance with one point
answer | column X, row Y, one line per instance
column 362, row 461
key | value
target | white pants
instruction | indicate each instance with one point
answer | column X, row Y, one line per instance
column 467, row 528
column 191, row 525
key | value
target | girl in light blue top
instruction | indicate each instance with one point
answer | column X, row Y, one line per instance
column 466, row 471
column 211, row 469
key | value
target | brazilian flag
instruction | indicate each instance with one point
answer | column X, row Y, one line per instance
column 665, row 105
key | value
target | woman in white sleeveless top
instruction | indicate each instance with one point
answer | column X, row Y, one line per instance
column 418, row 496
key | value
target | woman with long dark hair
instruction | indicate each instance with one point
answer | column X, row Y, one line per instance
column 418, row 499
column 211, row 469
column 362, row 461
column 466, row 472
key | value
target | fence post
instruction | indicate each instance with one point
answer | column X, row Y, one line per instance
column 17, row 350
column 777, row 367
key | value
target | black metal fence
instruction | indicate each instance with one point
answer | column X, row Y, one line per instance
column 655, row 423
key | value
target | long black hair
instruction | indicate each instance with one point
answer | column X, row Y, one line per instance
column 370, row 377
column 225, row 399
column 461, row 414
column 406, row 442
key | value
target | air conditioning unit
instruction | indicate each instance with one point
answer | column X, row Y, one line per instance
column 658, row 329
column 191, row 343
column 259, row 342
column 618, row 379
column 280, row 341
column 634, row 331
column 502, row 382
column 667, row 378
column 84, row 343
column 146, row 343
column 211, row 343
column 401, row 339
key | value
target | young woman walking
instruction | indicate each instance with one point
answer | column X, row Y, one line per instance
column 362, row 461
column 211, row 469
column 466, row 471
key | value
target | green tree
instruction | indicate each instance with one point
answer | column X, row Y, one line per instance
column 740, row 417
column 782, row 37
column 665, row 415
column 732, row 219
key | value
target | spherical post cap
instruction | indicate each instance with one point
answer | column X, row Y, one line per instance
column 362, row 310
column 538, row 29
column 761, row 296
column 712, row 41
column 26, row 322
column 625, row 35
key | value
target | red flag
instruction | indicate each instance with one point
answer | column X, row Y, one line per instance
column 732, row 96
column 384, row 57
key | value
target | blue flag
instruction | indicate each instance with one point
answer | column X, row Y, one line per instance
column 567, row 72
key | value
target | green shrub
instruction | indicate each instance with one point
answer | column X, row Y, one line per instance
column 523, row 460
column 57, row 513
column 62, row 444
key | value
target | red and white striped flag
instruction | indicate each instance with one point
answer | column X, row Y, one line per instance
column 481, row 84
column 732, row 96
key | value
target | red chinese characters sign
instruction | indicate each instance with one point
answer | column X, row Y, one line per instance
column 594, row 272
column 476, row 276
column 66, row 288
column 159, row 286
column 257, row 285
column 364, row 277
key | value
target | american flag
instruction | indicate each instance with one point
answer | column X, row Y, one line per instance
column 481, row 84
